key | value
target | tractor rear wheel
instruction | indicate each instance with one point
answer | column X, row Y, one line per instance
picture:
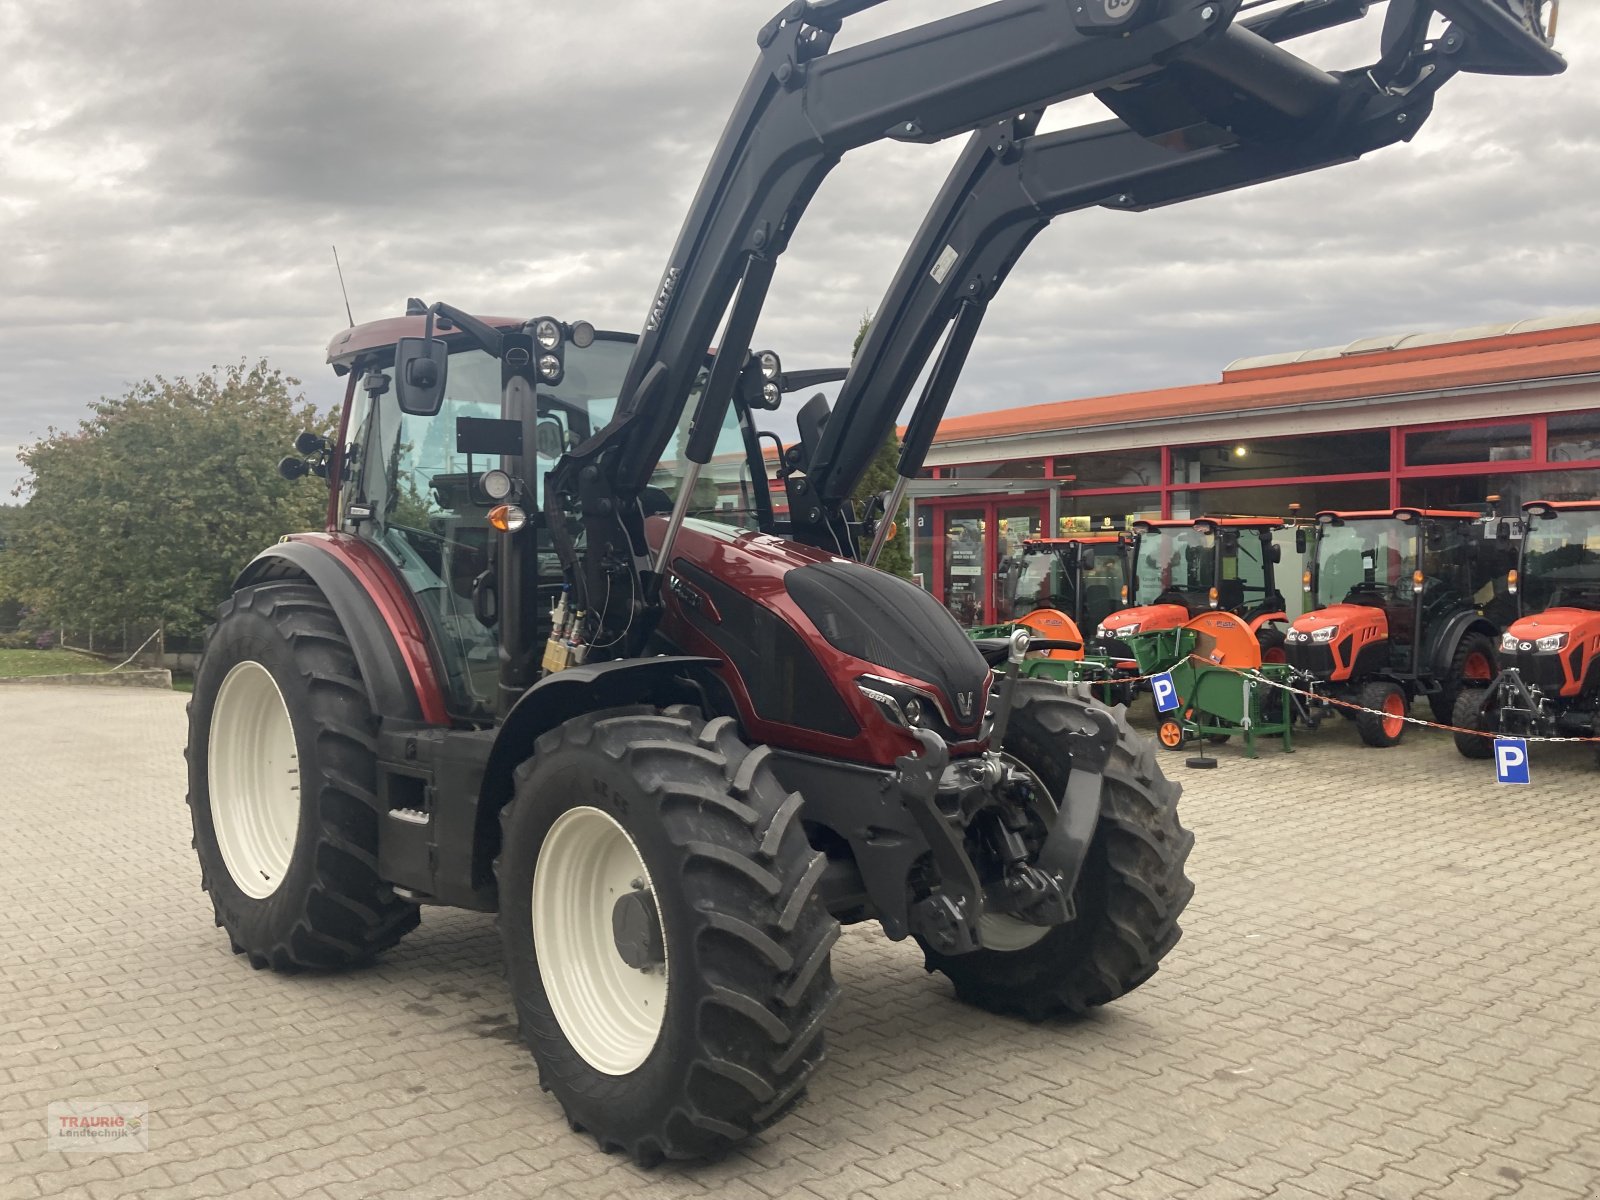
column 1128, row 896
column 1470, row 714
column 1473, row 665
column 283, row 786
column 1385, row 725
column 666, row 944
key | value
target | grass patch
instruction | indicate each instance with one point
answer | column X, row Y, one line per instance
column 21, row 664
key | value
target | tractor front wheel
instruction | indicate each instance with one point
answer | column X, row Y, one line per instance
column 1384, row 724
column 283, row 786
column 1128, row 896
column 666, row 945
column 1471, row 713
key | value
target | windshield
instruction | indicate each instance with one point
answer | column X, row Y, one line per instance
column 1364, row 560
column 724, row 492
column 1174, row 560
column 1561, row 561
column 1040, row 582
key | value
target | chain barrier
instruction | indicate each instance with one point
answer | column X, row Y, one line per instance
column 1353, row 707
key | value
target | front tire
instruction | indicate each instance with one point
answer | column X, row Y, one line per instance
column 703, row 1024
column 1470, row 713
column 1384, row 726
column 1128, row 897
column 283, row 786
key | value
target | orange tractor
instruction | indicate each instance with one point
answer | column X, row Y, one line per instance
column 1212, row 564
column 1400, row 603
column 1550, row 685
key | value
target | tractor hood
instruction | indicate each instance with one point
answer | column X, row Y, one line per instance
column 1144, row 618
column 1576, row 623
column 1342, row 616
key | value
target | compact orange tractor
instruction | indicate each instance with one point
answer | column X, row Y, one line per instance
column 1550, row 685
column 1212, row 564
column 1400, row 603
column 1059, row 587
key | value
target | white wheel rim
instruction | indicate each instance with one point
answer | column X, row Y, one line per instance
column 611, row 1013
column 1001, row 931
column 253, row 776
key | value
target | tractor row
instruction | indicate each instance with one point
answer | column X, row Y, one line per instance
column 1494, row 620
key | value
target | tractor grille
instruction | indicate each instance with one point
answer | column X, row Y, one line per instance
column 1310, row 657
column 1542, row 670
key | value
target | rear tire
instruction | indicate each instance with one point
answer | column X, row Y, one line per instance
column 742, row 937
column 283, row 786
column 1128, row 897
column 1473, row 665
column 1469, row 714
column 1389, row 699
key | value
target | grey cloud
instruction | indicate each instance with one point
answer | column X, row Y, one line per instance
column 171, row 176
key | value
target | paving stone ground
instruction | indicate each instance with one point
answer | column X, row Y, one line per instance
column 1389, row 986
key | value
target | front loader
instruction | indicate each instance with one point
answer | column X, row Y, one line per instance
column 534, row 666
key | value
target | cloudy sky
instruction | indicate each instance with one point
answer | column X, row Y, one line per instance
column 172, row 173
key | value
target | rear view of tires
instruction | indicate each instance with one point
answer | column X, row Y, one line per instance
column 666, row 945
column 282, row 772
column 1128, row 897
column 1384, row 725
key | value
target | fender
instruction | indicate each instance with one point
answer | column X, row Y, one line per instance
column 558, row 697
column 385, row 631
column 1445, row 638
column 1257, row 622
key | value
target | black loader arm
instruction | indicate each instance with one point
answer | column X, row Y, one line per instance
column 1239, row 111
column 801, row 109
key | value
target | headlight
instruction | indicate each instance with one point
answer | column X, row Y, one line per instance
column 547, row 333
column 550, row 367
column 1508, row 643
column 1554, row 641
column 1121, row 630
column 771, row 367
column 1325, row 635
column 900, row 704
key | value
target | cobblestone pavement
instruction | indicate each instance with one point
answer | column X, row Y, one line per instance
column 1389, row 987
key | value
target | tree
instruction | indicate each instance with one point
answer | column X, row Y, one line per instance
column 153, row 504
column 878, row 478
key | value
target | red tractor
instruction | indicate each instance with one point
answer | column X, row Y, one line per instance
column 1214, row 564
column 1549, row 685
column 544, row 661
column 1400, row 603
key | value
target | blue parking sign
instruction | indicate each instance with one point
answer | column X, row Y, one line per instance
column 1164, row 692
column 1510, row 760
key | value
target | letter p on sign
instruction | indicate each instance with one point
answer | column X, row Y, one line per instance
column 1510, row 760
column 1164, row 692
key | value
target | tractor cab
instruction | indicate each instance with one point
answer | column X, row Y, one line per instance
column 1556, row 643
column 1085, row 577
column 1184, row 568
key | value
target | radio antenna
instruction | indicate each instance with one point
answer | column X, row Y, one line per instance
column 342, row 291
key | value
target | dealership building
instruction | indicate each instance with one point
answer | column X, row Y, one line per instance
column 1434, row 419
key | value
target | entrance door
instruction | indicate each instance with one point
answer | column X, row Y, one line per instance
column 970, row 538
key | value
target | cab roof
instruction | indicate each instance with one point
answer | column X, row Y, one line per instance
column 1562, row 505
column 1392, row 514
column 350, row 344
column 1227, row 522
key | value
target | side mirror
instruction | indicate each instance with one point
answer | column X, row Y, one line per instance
column 1502, row 532
column 419, row 374
column 1086, row 559
column 1299, row 541
column 1277, row 553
